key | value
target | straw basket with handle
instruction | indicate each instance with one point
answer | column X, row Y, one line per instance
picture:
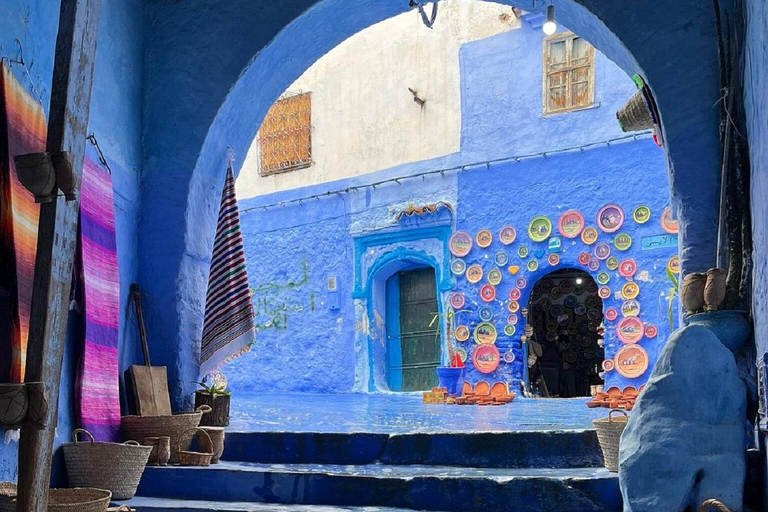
column 201, row 458
column 111, row 466
column 61, row 500
column 179, row 427
column 608, row 434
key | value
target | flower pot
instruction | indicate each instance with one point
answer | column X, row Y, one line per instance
column 65, row 178
column 13, row 404
column 692, row 292
column 217, row 438
column 452, row 379
column 714, row 290
column 731, row 327
column 219, row 416
column 37, row 398
column 36, row 173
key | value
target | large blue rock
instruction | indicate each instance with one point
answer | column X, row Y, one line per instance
column 684, row 442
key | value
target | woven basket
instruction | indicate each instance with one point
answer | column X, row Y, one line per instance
column 609, row 433
column 713, row 504
column 201, row 458
column 61, row 500
column 179, row 427
column 634, row 115
column 111, row 466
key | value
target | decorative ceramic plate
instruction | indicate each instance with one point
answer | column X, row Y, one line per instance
column 630, row 308
column 589, row 236
column 460, row 244
column 591, row 287
column 545, row 304
column 514, row 294
column 512, row 319
column 462, row 354
column 594, row 265
column 485, row 333
column 668, row 224
column 593, row 314
column 507, row 235
column 556, row 310
column 604, row 292
column 610, row 218
column 579, row 289
column 555, row 293
column 509, row 357
column 461, row 333
column 630, row 330
column 627, row 268
column 474, row 273
column 641, row 214
column 485, row 313
column 513, row 306
column 566, row 286
column 584, row 258
column 622, row 242
column 458, row 267
column 485, row 358
column 570, row 301
column 611, row 314
column 603, row 278
column 509, row 330
column 551, row 335
column 651, row 331
column 501, row 258
column 602, row 251
column 547, row 285
column 580, row 309
column 540, row 228
column 483, row 238
column 532, row 265
column 487, row 292
column 612, row 263
column 555, row 244
column 457, row 300
column 630, row 290
column 608, row 365
column 494, row 276
column 553, row 259
column 521, row 282
column 513, row 269
column 674, row 264
column 590, row 301
column 522, row 251
column 570, row 224
column 631, row 361
column 572, row 329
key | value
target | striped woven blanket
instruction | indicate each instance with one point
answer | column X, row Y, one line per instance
column 228, row 328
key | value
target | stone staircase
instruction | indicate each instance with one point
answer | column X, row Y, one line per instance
column 541, row 471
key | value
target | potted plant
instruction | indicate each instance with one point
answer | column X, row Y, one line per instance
column 217, row 397
column 450, row 377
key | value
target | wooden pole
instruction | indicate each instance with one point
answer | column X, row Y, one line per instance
column 56, row 241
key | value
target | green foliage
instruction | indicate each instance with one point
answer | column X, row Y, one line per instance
column 212, row 390
column 674, row 292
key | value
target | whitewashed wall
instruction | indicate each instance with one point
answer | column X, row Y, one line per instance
column 363, row 116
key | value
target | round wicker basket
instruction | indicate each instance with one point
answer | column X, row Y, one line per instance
column 608, row 434
column 61, row 500
column 111, row 466
column 179, row 427
column 201, row 458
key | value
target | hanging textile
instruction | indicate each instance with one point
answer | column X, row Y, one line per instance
column 97, row 386
column 22, row 130
column 228, row 328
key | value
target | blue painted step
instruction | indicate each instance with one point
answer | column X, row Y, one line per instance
column 168, row 505
column 445, row 488
column 521, row 449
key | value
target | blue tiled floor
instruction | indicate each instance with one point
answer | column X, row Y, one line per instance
column 401, row 413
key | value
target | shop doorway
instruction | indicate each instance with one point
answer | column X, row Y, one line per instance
column 565, row 349
column 413, row 349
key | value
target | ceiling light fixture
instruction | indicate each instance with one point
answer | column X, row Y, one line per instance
column 550, row 27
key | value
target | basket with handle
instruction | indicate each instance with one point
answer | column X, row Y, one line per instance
column 712, row 504
column 179, row 427
column 111, row 466
column 61, row 500
column 608, row 434
column 201, row 458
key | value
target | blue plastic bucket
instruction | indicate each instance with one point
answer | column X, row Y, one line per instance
column 451, row 379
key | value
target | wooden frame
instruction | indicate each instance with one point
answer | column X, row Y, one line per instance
column 568, row 69
column 285, row 136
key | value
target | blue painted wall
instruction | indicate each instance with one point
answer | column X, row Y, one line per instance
column 115, row 119
column 304, row 345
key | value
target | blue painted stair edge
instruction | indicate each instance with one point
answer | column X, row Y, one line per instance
column 555, row 449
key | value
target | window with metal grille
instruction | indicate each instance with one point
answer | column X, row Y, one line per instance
column 569, row 74
column 285, row 136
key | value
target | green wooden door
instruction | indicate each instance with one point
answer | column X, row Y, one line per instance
column 420, row 348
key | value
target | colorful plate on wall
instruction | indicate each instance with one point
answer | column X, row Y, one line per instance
column 584, row 258
column 593, row 314
column 487, row 292
column 603, row 278
column 509, row 357
column 611, row 314
column 555, row 293
column 457, row 300
column 485, row 358
column 604, row 292
column 507, row 235
column 521, row 282
column 501, row 258
column 579, row 289
column 483, row 238
column 608, row 365
column 545, row 304
column 458, row 267
column 512, row 319
column 610, row 218
column 539, row 228
column 612, row 263
column 460, row 244
column 566, row 286
column 622, row 242
column 669, row 224
column 627, row 268
column 630, row 290
column 570, row 224
column 651, row 331
column 532, row 266
column 593, row 265
column 485, row 333
column 630, row 308
column 474, row 273
column 509, row 330
column 513, row 306
column 461, row 333
column 514, row 294
column 494, row 276
column 570, row 301
column 522, row 251
column 589, row 236
column 674, row 264
column 631, row 361
column 602, row 251
column 485, row 313
column 553, row 259
column 630, row 330
column 641, row 214
column 462, row 354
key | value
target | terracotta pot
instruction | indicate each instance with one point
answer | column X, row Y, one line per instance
column 37, row 397
column 36, row 173
column 217, row 438
column 714, row 290
column 692, row 292
column 65, row 178
column 13, row 404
